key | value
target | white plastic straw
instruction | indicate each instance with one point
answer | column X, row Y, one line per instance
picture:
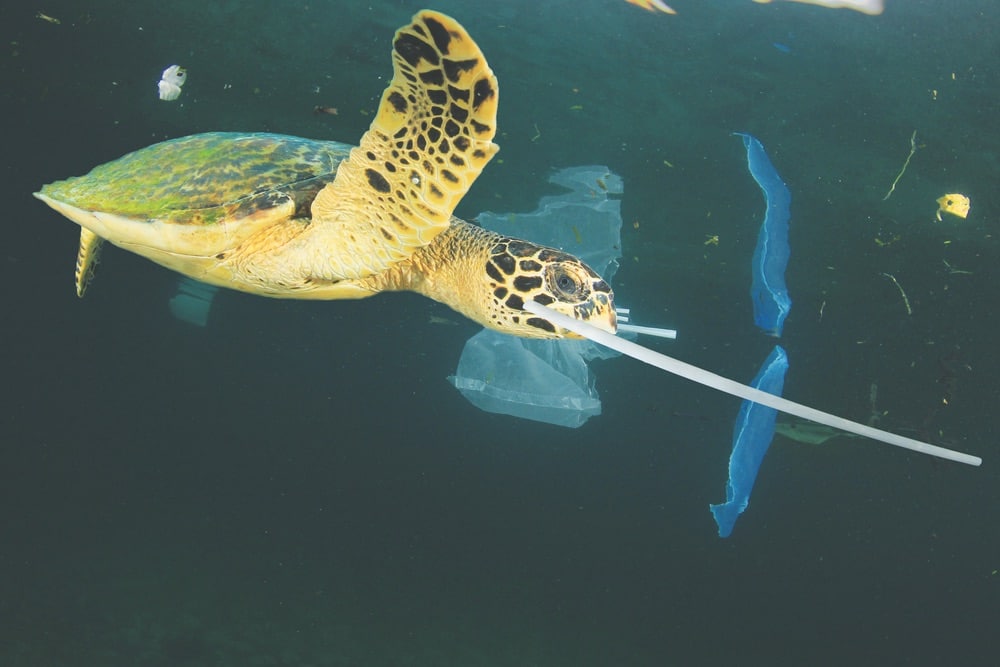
column 648, row 331
column 733, row 388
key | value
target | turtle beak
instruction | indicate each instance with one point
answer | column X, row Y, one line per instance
column 599, row 310
column 608, row 321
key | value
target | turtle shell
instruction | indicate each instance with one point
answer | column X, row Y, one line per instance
column 206, row 179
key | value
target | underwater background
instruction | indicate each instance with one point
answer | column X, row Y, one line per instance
column 298, row 484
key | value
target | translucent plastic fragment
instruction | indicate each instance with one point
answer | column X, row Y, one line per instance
column 586, row 222
column 543, row 380
column 193, row 301
column 549, row 380
column 771, row 302
column 171, row 82
column 751, row 437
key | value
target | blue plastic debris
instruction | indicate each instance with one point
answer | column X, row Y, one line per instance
column 771, row 302
column 751, row 438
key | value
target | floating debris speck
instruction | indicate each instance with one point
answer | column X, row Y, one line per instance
column 956, row 204
column 171, row 81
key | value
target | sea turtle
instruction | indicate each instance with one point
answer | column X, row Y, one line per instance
column 289, row 217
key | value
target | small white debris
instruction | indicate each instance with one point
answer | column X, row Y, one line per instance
column 171, row 81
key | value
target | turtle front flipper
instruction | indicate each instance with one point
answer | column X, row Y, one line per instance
column 430, row 139
column 86, row 259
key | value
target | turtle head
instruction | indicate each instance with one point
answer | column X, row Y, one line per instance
column 488, row 278
column 519, row 271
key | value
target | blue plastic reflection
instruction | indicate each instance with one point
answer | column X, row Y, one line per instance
column 771, row 302
column 751, row 437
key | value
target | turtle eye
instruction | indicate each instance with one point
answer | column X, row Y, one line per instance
column 566, row 285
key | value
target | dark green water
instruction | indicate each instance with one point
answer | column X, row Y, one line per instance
column 297, row 484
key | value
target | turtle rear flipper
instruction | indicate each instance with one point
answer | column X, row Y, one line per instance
column 87, row 259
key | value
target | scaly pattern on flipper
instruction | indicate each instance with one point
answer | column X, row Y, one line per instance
column 430, row 139
column 87, row 258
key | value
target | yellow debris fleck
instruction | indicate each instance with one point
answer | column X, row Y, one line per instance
column 954, row 204
column 652, row 6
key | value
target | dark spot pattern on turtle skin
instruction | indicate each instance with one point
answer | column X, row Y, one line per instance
column 506, row 263
column 539, row 323
column 413, row 50
column 434, row 77
column 529, row 265
column 462, row 143
column 377, row 181
column 440, row 34
column 458, row 94
column 451, row 128
column 527, row 283
column 453, row 69
column 397, row 101
column 515, row 301
column 493, row 272
column 458, row 113
column 482, row 91
column 480, row 128
column 449, row 176
column 399, row 223
column 500, row 292
column 437, row 97
column 544, row 299
column 520, row 248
